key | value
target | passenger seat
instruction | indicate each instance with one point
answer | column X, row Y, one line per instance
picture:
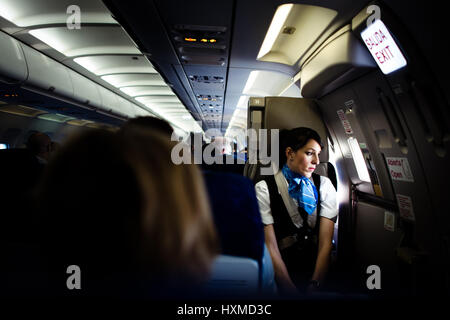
column 244, row 268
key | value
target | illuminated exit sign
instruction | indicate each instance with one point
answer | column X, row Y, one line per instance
column 383, row 47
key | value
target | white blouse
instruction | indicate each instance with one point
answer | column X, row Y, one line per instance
column 328, row 202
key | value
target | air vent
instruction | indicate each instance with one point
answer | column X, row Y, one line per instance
column 210, row 105
column 207, row 83
column 206, row 79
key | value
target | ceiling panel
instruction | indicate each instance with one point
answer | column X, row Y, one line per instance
column 25, row 13
column 131, row 80
column 110, row 64
column 147, row 91
column 87, row 40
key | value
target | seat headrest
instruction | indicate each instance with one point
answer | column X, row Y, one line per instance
column 288, row 113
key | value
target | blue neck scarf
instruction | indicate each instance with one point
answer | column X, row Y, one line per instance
column 301, row 189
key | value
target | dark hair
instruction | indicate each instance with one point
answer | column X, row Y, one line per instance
column 149, row 122
column 38, row 142
column 296, row 139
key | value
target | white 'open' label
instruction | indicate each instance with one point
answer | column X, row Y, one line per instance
column 399, row 169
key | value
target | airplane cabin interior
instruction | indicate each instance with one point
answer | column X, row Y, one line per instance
column 369, row 77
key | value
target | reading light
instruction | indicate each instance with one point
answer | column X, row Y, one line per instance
column 275, row 27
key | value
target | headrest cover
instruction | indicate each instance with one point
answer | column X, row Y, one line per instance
column 289, row 113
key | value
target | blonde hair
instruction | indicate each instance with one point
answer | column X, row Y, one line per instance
column 178, row 226
column 116, row 202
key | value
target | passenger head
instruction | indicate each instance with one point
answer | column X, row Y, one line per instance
column 301, row 148
column 149, row 122
column 117, row 205
column 39, row 144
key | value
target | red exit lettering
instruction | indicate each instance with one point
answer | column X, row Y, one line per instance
column 384, row 55
column 376, row 39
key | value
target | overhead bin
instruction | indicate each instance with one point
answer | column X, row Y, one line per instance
column 21, row 64
column 339, row 60
column 13, row 68
column 124, row 108
column 109, row 99
column 140, row 112
column 47, row 74
column 85, row 90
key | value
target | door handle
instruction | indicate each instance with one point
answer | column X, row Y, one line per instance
column 393, row 120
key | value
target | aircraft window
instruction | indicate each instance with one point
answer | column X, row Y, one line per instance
column 358, row 158
column 21, row 110
column 55, row 117
column 10, row 135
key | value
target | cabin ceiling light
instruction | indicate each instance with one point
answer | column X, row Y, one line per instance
column 269, row 83
column 40, row 12
column 87, row 40
column 109, row 64
column 250, row 81
column 275, row 27
column 239, row 117
column 147, row 91
column 293, row 31
column 125, row 80
column 243, row 102
column 159, row 99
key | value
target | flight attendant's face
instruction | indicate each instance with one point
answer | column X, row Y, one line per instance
column 304, row 160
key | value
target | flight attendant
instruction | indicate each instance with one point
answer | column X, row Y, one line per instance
column 298, row 209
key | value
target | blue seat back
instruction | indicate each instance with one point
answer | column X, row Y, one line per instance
column 236, row 214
